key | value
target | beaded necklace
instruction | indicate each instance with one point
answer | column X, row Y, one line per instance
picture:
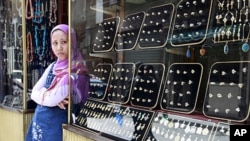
column 29, row 4
column 40, row 50
column 39, row 12
column 29, row 47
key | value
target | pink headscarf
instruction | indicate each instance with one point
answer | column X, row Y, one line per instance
column 80, row 79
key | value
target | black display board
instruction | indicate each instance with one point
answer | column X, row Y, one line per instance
column 227, row 94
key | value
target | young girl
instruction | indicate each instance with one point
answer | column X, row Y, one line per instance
column 52, row 89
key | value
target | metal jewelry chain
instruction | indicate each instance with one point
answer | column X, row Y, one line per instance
column 52, row 11
column 19, row 8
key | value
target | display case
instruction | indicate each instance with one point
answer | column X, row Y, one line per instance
column 25, row 47
column 181, row 62
column 160, row 69
column 11, row 55
column 12, row 87
column 182, row 86
column 174, row 127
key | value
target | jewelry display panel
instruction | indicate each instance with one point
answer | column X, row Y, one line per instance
column 40, row 19
column 121, row 82
column 147, row 85
column 227, row 94
column 177, row 128
column 222, row 132
column 11, row 55
column 127, row 123
column 231, row 21
column 130, row 31
column 181, row 88
column 93, row 115
column 106, row 34
column 14, row 100
column 191, row 22
column 155, row 29
column 100, row 80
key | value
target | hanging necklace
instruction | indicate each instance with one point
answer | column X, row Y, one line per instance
column 19, row 31
column 39, row 12
column 245, row 46
column 19, row 8
column 188, row 53
column 226, row 48
column 29, row 48
column 17, row 49
column 29, row 4
column 52, row 11
column 40, row 50
column 18, row 59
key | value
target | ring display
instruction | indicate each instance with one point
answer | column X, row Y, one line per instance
column 147, row 85
column 100, row 80
column 106, row 34
column 182, row 87
column 156, row 27
column 130, row 31
column 191, row 22
column 121, row 82
column 228, row 83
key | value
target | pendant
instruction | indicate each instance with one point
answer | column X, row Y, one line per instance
column 183, row 124
column 176, row 125
column 226, row 49
column 40, row 57
column 171, row 136
column 171, row 124
column 177, row 137
column 245, row 47
column 199, row 130
column 166, row 135
column 187, row 129
column 188, row 53
column 193, row 129
column 228, row 132
column 202, row 51
column 205, row 131
column 165, row 122
column 189, row 138
column 183, row 138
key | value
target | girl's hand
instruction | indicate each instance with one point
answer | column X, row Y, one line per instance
column 63, row 103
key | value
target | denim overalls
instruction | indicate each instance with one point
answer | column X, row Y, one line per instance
column 46, row 123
